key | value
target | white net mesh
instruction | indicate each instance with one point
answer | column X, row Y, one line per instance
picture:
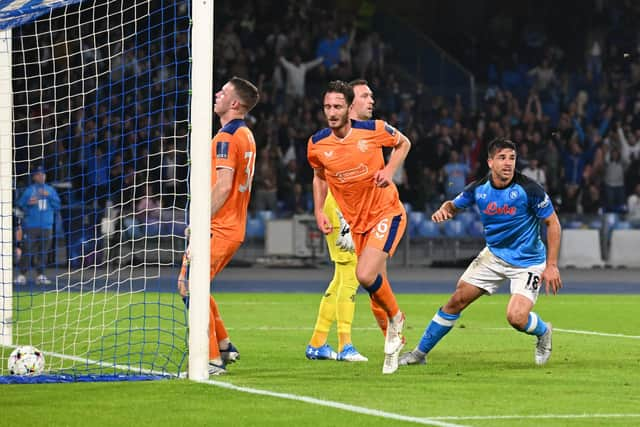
column 100, row 165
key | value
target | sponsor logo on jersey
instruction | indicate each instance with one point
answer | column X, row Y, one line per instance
column 493, row 209
column 545, row 202
column 348, row 174
column 328, row 153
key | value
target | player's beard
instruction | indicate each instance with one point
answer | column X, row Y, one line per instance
column 336, row 123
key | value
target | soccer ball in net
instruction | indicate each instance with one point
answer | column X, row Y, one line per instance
column 26, row 360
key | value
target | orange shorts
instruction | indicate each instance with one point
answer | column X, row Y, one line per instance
column 222, row 250
column 385, row 236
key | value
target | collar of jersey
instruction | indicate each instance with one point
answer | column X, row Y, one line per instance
column 345, row 137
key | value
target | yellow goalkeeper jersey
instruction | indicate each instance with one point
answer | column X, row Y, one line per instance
column 336, row 254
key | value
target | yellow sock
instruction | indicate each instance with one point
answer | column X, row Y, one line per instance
column 326, row 314
column 346, row 301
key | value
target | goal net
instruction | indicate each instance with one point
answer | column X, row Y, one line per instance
column 95, row 167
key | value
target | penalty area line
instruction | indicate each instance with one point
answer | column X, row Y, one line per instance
column 335, row 405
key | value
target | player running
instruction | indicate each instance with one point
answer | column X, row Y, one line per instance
column 338, row 301
column 233, row 160
column 347, row 159
column 511, row 209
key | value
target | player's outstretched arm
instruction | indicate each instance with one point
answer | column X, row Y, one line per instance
column 445, row 212
column 320, row 189
column 551, row 274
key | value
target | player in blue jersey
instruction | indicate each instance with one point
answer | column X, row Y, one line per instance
column 511, row 209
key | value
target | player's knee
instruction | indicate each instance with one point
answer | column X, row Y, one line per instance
column 517, row 319
column 456, row 303
column 366, row 278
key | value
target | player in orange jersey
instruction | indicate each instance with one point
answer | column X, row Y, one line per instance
column 233, row 160
column 338, row 302
column 347, row 159
column 362, row 109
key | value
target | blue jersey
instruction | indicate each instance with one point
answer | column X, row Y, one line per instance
column 511, row 217
column 41, row 213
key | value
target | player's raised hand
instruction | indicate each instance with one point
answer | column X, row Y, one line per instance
column 323, row 222
column 382, row 178
column 551, row 278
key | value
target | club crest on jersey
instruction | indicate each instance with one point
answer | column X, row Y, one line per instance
column 493, row 209
column 363, row 145
column 328, row 153
column 513, row 194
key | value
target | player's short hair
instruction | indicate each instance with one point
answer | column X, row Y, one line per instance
column 246, row 91
column 358, row 82
column 500, row 144
column 338, row 86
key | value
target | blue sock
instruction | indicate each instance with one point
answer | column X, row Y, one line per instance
column 535, row 325
column 439, row 326
column 372, row 288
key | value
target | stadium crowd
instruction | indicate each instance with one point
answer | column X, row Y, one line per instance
column 576, row 125
column 577, row 131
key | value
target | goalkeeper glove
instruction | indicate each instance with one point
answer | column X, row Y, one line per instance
column 344, row 240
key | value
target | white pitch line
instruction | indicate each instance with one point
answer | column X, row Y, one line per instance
column 600, row 334
column 335, row 405
column 530, row 417
column 577, row 331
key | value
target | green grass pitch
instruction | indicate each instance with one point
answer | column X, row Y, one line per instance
column 481, row 374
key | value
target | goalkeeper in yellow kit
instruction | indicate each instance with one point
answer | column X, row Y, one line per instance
column 338, row 302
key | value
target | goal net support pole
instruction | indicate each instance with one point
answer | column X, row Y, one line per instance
column 6, row 186
column 200, row 184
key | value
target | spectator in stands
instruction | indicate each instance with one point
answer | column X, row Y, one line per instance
column 633, row 207
column 536, row 173
column 329, row 48
column 39, row 202
column 454, row 175
column 265, row 185
column 296, row 72
column 146, row 219
column 544, row 80
column 613, row 181
column 290, row 188
column 590, row 201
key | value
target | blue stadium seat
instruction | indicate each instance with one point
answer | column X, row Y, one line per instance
column 454, row 228
column 573, row 225
column 623, row 225
column 466, row 217
column 428, row 228
column 596, row 224
column 265, row 216
column 475, row 229
column 416, row 217
column 255, row 228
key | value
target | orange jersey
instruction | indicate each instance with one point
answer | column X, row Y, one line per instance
column 349, row 165
column 235, row 149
